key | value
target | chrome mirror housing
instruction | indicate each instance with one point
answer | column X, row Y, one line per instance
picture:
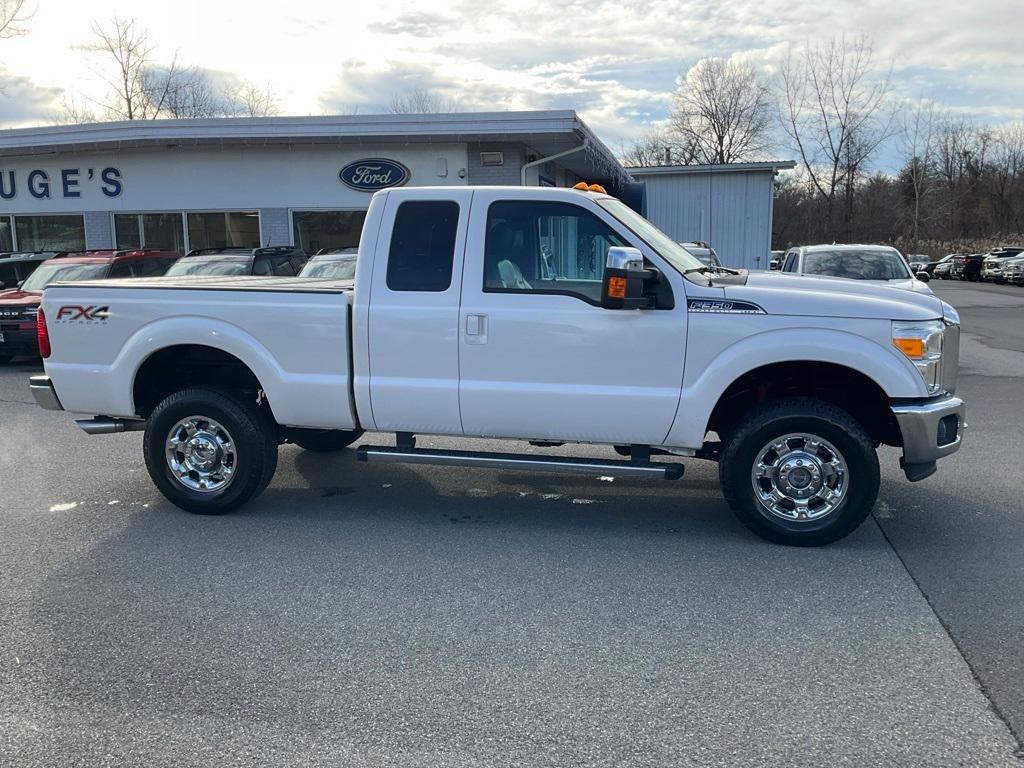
column 625, row 258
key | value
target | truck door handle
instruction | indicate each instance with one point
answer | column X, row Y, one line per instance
column 476, row 329
column 475, row 325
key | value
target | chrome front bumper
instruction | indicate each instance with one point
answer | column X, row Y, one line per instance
column 931, row 429
column 43, row 392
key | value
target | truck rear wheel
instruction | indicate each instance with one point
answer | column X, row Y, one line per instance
column 324, row 440
column 210, row 451
column 799, row 471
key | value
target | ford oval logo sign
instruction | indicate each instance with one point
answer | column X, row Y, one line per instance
column 373, row 174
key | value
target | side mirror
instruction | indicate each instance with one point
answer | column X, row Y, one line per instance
column 923, row 276
column 624, row 280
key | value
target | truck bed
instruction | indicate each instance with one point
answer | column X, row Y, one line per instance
column 223, row 283
column 292, row 333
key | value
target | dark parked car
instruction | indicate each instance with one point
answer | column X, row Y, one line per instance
column 967, row 266
column 332, row 264
column 15, row 267
column 18, row 307
column 279, row 261
column 940, row 269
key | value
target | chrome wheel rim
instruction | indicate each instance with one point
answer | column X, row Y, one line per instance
column 800, row 477
column 201, row 454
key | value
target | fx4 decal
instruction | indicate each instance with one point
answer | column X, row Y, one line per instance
column 73, row 313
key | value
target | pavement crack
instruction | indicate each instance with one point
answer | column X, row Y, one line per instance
column 1019, row 751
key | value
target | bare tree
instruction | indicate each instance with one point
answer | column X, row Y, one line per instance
column 657, row 146
column 722, row 110
column 73, row 111
column 421, row 101
column 184, row 94
column 918, row 147
column 835, row 112
column 250, row 100
column 138, row 90
column 1005, row 177
column 13, row 16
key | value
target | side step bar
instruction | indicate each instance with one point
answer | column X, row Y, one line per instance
column 518, row 461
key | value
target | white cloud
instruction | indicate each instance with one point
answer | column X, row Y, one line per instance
column 615, row 61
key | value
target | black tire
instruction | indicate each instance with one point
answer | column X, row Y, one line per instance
column 775, row 419
column 253, row 434
column 324, row 440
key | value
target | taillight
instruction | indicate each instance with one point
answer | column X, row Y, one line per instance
column 42, row 335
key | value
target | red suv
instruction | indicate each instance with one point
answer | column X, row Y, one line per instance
column 18, row 307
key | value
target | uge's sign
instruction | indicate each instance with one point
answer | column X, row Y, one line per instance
column 374, row 173
column 67, row 183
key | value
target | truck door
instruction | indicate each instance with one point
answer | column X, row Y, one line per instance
column 413, row 319
column 539, row 356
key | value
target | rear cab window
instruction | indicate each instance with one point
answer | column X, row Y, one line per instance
column 422, row 249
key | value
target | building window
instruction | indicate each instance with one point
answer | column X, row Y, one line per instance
column 50, row 233
column 224, row 229
column 314, row 230
column 6, row 234
column 162, row 231
column 127, row 232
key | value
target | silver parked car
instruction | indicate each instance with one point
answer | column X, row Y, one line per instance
column 877, row 263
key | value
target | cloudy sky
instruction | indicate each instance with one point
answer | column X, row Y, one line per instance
column 614, row 62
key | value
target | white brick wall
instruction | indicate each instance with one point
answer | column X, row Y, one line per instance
column 98, row 232
column 275, row 227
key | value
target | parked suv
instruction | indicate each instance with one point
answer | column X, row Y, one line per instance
column 15, row 267
column 876, row 263
column 704, row 252
column 18, row 307
column 1013, row 271
column 332, row 264
column 992, row 264
column 279, row 261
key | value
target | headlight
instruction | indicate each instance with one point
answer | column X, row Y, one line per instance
column 921, row 341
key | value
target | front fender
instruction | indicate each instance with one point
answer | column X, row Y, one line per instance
column 709, row 374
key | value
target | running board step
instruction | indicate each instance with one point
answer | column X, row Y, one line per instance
column 519, row 461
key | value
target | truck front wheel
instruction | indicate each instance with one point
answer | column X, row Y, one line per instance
column 210, row 451
column 799, row 471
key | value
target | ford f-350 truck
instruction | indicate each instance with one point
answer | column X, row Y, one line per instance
column 548, row 315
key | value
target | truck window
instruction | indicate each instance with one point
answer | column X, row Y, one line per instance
column 546, row 247
column 423, row 246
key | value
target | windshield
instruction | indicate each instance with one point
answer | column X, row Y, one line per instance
column 49, row 273
column 662, row 244
column 204, row 267
column 859, row 265
column 334, row 269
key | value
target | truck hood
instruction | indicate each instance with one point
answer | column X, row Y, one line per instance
column 781, row 293
column 18, row 298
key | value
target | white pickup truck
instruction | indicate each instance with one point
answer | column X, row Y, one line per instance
column 548, row 315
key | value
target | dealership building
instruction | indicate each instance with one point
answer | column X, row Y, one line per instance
column 307, row 181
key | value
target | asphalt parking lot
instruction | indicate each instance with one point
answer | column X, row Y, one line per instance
column 424, row 616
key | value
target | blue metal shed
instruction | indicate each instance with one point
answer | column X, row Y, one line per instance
column 728, row 206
